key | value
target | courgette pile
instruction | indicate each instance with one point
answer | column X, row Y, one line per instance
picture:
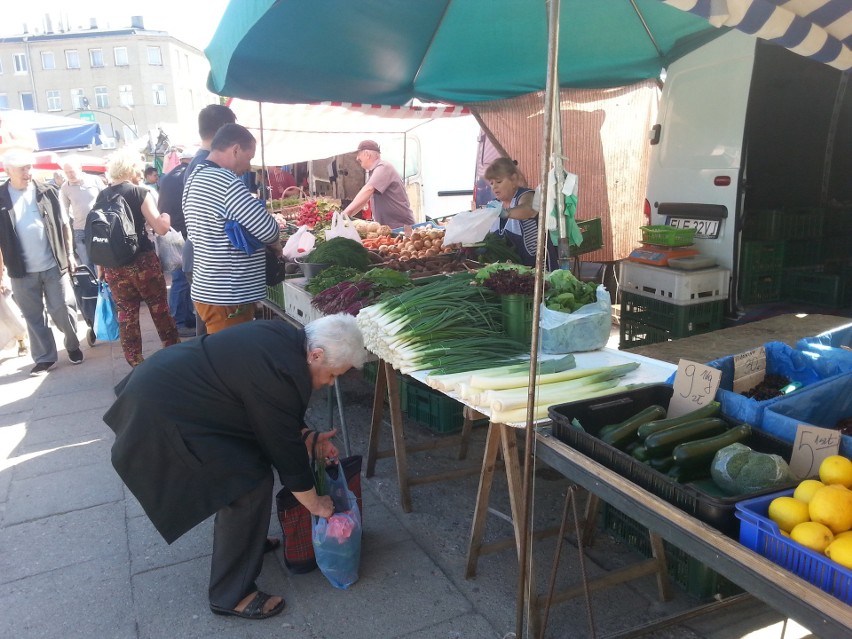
column 681, row 447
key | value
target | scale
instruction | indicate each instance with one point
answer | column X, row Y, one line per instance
column 660, row 255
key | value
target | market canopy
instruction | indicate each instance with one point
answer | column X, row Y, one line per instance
column 52, row 132
column 455, row 51
column 299, row 132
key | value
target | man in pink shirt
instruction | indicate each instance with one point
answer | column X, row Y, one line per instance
column 389, row 202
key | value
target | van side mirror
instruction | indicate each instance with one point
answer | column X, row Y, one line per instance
column 654, row 135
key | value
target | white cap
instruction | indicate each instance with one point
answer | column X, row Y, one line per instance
column 18, row 158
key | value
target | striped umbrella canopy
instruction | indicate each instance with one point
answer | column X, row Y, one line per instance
column 817, row 29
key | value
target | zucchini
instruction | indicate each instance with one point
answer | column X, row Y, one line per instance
column 661, row 464
column 663, row 442
column 708, row 410
column 640, row 453
column 702, row 451
column 626, row 430
column 683, row 474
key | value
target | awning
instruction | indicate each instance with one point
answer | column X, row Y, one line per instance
column 52, row 132
column 300, row 132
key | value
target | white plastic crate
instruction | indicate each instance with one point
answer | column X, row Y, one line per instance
column 297, row 302
column 674, row 286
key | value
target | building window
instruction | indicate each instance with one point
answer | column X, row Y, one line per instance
column 27, row 101
column 101, row 97
column 120, row 55
column 72, row 59
column 125, row 94
column 54, row 101
column 48, row 61
column 21, row 65
column 96, row 57
column 76, row 98
column 155, row 56
column 4, row 101
column 159, row 94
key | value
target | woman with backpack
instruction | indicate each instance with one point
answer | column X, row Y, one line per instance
column 141, row 279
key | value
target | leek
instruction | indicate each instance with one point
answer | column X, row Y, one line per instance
column 522, row 381
column 519, row 415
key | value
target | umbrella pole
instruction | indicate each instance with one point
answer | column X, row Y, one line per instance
column 262, row 186
column 524, row 604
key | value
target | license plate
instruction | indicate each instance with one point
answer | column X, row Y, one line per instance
column 704, row 229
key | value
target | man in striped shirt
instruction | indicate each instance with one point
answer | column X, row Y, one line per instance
column 226, row 281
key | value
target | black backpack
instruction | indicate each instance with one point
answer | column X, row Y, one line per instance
column 111, row 238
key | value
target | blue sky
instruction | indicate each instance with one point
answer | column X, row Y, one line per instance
column 191, row 22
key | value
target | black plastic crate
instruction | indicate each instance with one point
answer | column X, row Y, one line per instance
column 701, row 499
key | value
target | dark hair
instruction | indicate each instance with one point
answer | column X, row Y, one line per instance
column 151, row 169
column 212, row 117
column 229, row 135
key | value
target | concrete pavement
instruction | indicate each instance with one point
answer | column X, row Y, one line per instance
column 78, row 557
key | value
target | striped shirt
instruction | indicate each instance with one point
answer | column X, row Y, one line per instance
column 224, row 275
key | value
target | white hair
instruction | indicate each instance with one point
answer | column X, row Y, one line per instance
column 339, row 337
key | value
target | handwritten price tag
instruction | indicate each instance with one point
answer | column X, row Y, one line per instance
column 749, row 369
column 694, row 386
column 810, row 447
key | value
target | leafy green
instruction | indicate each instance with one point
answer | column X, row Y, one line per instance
column 329, row 277
column 486, row 271
column 340, row 251
column 387, row 278
column 566, row 293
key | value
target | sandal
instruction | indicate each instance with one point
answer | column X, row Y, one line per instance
column 254, row 609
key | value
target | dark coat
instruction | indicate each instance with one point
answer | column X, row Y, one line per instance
column 198, row 425
column 47, row 199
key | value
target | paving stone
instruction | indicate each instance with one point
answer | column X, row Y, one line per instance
column 40, row 459
column 65, row 428
column 148, row 550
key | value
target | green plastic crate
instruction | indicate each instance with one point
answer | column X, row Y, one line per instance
column 757, row 288
column 697, row 579
column 807, row 252
column 433, row 409
column 634, row 332
column 592, row 237
column 664, row 235
column 677, row 320
column 370, row 370
column 760, row 257
column 275, row 294
column 767, row 225
column 819, row 289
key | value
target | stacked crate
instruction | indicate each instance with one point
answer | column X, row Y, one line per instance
column 660, row 303
column 797, row 255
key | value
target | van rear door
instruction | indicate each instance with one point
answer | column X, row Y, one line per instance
column 696, row 163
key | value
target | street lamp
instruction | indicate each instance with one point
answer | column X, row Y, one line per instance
column 132, row 115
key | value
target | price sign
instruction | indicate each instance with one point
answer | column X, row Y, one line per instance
column 749, row 369
column 694, row 386
column 810, row 447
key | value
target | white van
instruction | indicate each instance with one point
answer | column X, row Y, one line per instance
column 747, row 129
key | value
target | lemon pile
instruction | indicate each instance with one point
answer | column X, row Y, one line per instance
column 819, row 514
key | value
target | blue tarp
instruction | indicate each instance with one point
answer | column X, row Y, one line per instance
column 53, row 132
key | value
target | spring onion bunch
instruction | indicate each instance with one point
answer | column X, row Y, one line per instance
column 442, row 325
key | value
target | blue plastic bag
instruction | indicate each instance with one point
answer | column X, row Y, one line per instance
column 240, row 238
column 106, row 315
column 337, row 540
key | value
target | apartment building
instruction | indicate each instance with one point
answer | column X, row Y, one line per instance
column 132, row 81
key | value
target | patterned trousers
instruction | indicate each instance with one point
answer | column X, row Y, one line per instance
column 141, row 281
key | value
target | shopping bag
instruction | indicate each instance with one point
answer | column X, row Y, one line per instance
column 170, row 250
column 469, row 227
column 299, row 244
column 337, row 540
column 106, row 315
column 586, row 329
column 342, row 226
column 295, row 519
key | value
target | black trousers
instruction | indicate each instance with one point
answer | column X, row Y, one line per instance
column 239, row 536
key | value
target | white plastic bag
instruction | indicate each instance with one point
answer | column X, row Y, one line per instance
column 342, row 226
column 299, row 244
column 469, row 227
column 170, row 250
column 586, row 329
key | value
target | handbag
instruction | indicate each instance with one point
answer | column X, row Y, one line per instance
column 337, row 540
column 105, row 324
column 295, row 519
column 274, row 268
column 169, row 249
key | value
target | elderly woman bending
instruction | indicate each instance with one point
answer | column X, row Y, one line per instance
column 200, row 426
column 142, row 279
